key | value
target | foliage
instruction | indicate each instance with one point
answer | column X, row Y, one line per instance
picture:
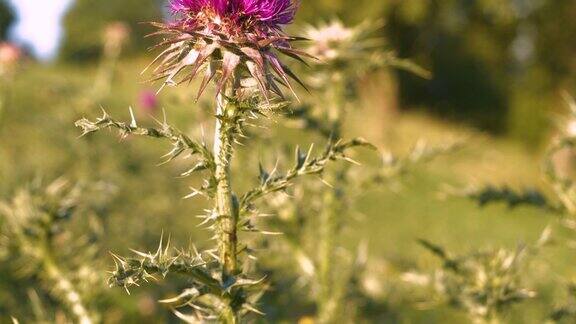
column 485, row 284
column 564, row 197
column 38, row 239
column 6, row 18
column 562, row 185
column 282, row 243
column 212, row 291
column 511, row 197
column 36, row 138
column 498, row 48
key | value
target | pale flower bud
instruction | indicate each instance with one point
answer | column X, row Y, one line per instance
column 115, row 35
column 10, row 55
column 329, row 40
column 571, row 128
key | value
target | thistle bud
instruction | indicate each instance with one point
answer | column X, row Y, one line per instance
column 330, row 41
column 115, row 36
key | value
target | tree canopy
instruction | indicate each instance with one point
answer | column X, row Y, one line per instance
column 85, row 22
column 6, row 18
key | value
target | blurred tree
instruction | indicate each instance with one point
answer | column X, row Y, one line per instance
column 497, row 64
column 85, row 23
column 555, row 50
column 350, row 12
column 545, row 54
column 466, row 44
column 6, row 18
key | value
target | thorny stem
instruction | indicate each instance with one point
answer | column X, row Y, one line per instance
column 330, row 292
column 229, row 316
column 328, row 222
column 560, row 185
column 327, row 233
column 493, row 319
column 227, row 214
column 70, row 297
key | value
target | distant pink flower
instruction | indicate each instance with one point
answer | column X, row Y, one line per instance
column 10, row 54
column 148, row 101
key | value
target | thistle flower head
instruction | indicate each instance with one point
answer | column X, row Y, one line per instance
column 261, row 15
column 230, row 40
column 353, row 51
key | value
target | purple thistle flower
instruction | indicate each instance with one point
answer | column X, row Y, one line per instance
column 270, row 12
column 219, row 36
column 265, row 13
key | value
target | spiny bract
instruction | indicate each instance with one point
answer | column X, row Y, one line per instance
column 224, row 38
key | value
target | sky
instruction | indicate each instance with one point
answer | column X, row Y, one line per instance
column 39, row 25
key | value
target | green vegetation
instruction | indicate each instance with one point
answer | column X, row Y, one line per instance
column 85, row 23
column 38, row 140
column 434, row 221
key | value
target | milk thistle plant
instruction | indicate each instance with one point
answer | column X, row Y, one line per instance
column 313, row 227
column 338, row 49
column 562, row 202
column 558, row 199
column 485, row 284
column 235, row 45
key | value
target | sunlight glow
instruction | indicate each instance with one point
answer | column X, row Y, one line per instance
column 39, row 25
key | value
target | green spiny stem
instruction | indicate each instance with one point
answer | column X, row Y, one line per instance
column 227, row 214
column 560, row 185
column 63, row 289
column 328, row 223
column 491, row 319
column 327, row 233
column 229, row 316
column 330, row 282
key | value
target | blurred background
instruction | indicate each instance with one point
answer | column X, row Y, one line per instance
column 498, row 70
